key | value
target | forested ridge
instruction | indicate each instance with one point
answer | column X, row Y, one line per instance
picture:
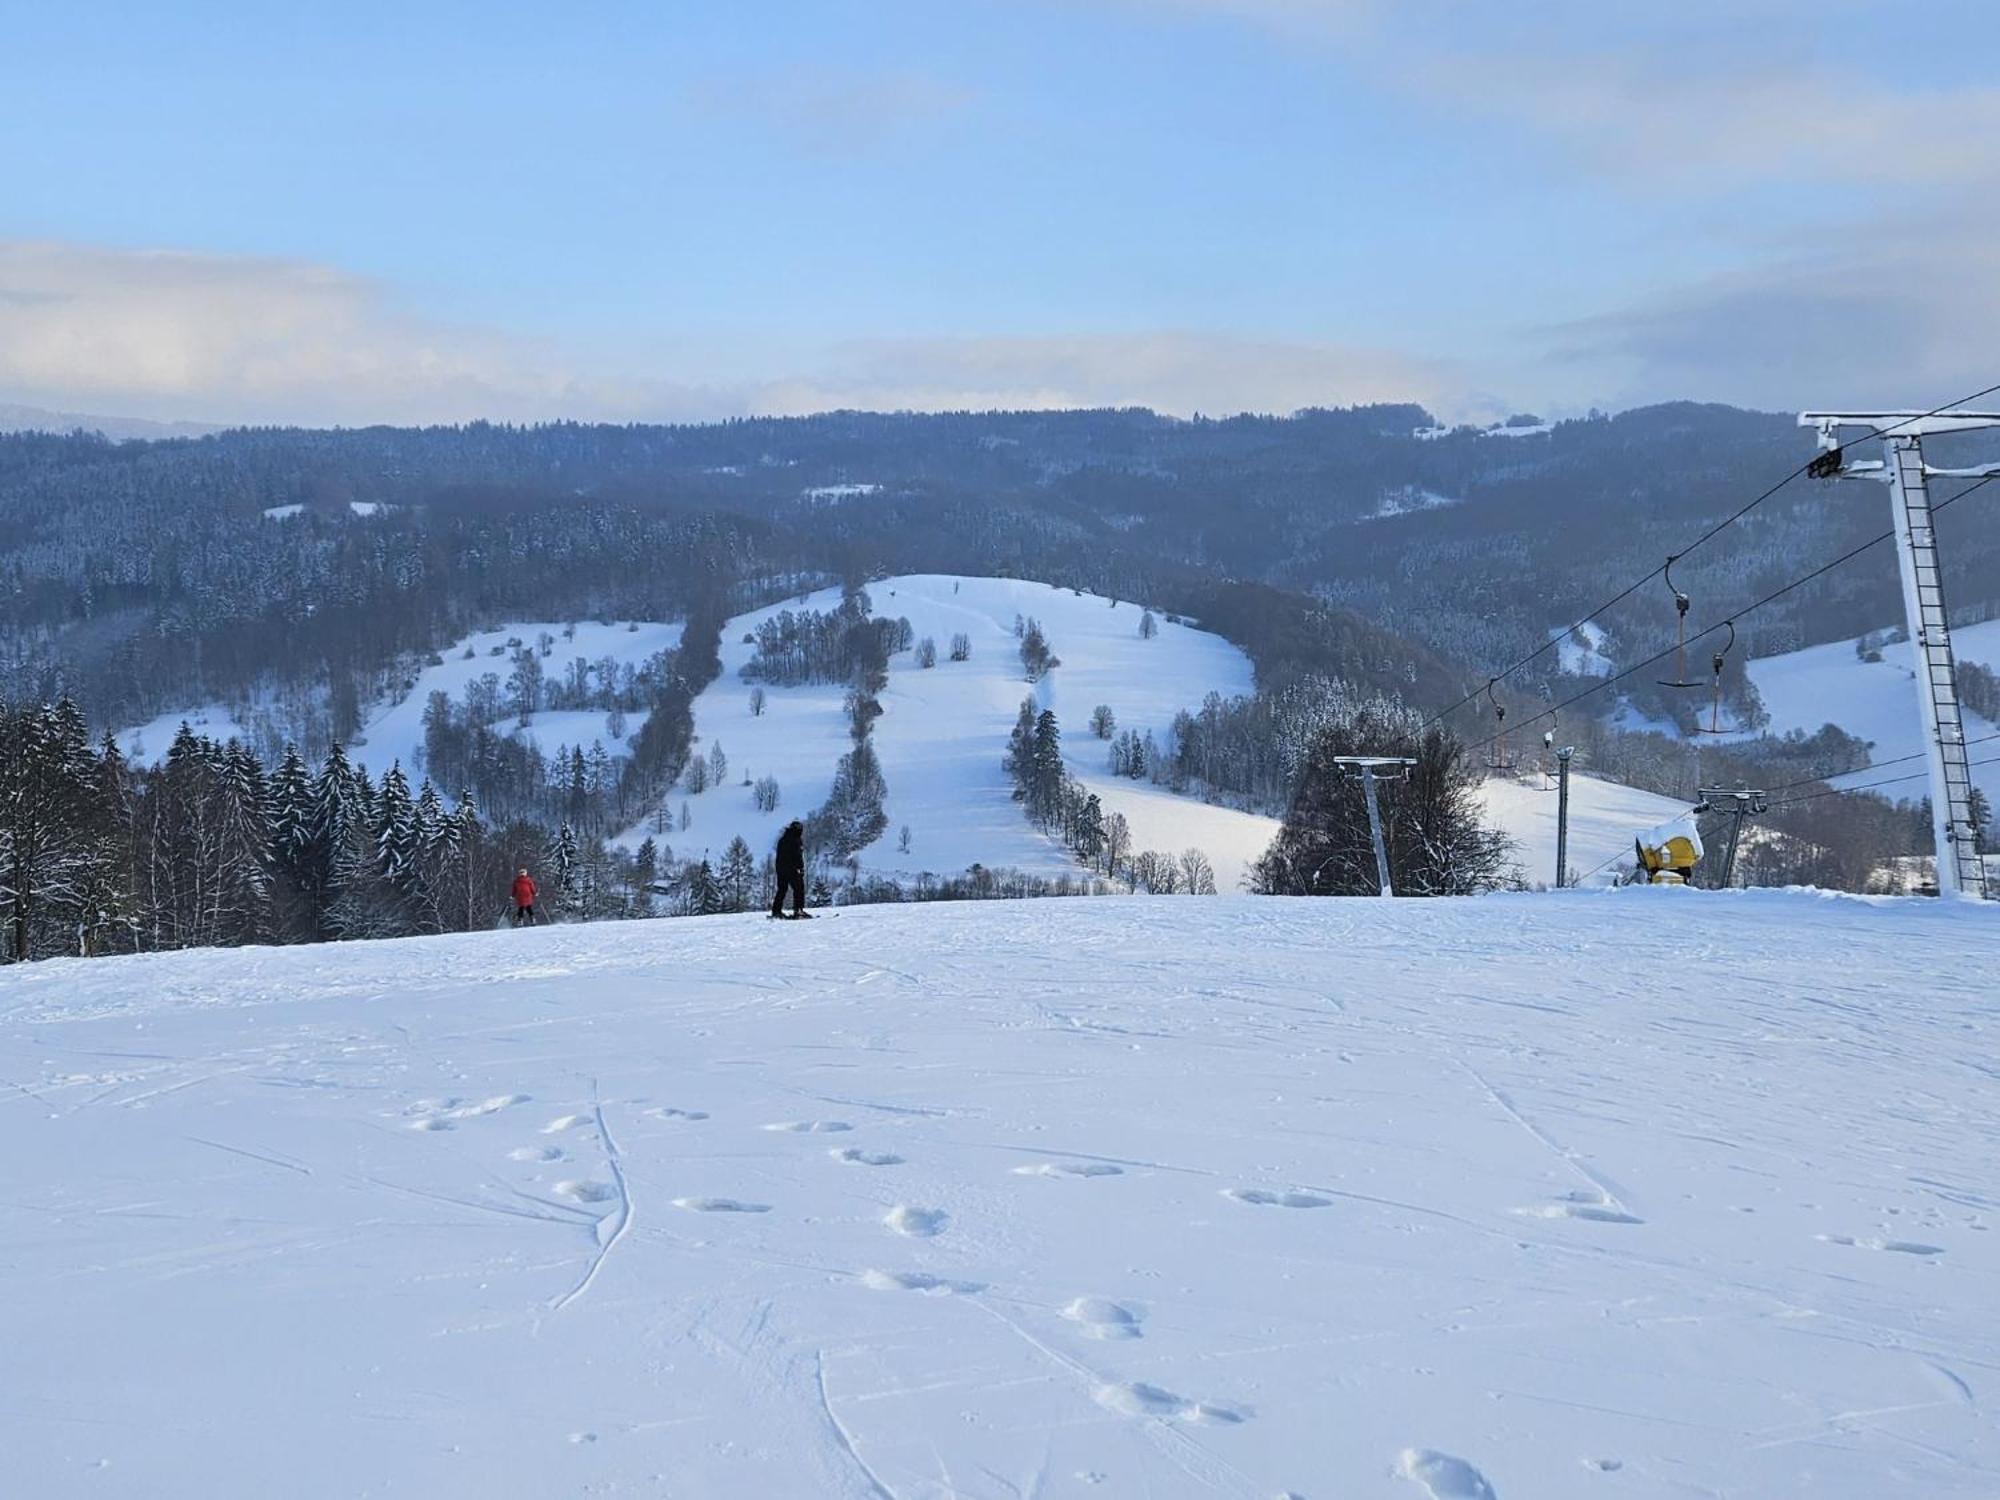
column 145, row 576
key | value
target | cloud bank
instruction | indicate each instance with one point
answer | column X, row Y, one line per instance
column 186, row 336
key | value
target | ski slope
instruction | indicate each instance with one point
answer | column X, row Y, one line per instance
column 1604, row 818
column 394, row 732
column 147, row 744
column 1829, row 684
column 1642, row 1192
column 943, row 730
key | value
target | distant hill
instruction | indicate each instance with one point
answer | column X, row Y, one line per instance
column 35, row 419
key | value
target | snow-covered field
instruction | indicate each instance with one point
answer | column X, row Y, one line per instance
column 1829, row 684
column 1643, row 1192
column 148, row 743
column 395, row 731
column 944, row 730
column 1604, row 818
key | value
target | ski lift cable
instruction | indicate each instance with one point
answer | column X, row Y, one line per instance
column 1627, row 592
column 1786, row 786
column 1776, row 594
column 1869, row 786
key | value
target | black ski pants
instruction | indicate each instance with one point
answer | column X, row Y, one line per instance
column 795, row 882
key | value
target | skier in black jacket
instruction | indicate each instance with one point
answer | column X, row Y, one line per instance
column 791, row 859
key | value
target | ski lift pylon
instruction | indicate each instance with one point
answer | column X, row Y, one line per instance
column 1681, row 679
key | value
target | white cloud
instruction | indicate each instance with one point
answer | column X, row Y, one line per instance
column 180, row 335
column 1656, row 121
column 1884, row 314
column 173, row 334
column 1175, row 372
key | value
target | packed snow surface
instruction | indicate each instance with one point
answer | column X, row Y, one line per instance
column 943, row 731
column 1806, row 690
column 1642, row 1192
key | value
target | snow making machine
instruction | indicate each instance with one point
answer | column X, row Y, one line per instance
column 1668, row 854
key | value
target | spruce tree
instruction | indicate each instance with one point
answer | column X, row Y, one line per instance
column 739, row 873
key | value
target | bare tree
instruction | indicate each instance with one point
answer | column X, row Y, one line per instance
column 1117, row 842
column 756, row 703
column 961, row 647
column 1102, row 721
column 927, row 652
column 1197, row 874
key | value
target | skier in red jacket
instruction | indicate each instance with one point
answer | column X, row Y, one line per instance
column 524, row 899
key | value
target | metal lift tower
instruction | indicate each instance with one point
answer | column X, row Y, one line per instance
column 1902, row 468
column 1368, row 768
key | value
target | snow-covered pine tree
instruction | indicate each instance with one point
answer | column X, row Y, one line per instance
column 705, row 896
column 288, row 815
column 437, row 841
column 738, row 874
column 562, row 861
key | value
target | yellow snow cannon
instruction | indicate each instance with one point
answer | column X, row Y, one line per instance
column 1668, row 854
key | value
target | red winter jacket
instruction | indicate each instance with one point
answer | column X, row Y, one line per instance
column 524, row 891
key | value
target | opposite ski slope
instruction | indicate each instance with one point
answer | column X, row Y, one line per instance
column 943, row 731
column 1804, row 690
column 393, row 733
column 1587, row 1195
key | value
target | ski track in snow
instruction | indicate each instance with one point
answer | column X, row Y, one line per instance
column 1526, row 1196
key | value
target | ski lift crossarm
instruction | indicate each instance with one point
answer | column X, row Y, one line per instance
column 1897, row 423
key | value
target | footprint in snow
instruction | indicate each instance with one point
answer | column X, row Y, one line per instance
column 537, row 1153
column 1138, row 1399
column 1104, row 1319
column 1069, row 1169
column 720, row 1206
column 431, row 1122
column 664, row 1112
column 1261, row 1198
column 587, row 1192
column 564, row 1122
column 1899, row 1247
column 917, row 1223
column 810, row 1127
column 918, row 1281
column 1445, row 1477
column 854, row 1156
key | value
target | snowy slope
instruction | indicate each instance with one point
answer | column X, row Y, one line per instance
column 1829, row 684
column 148, row 743
column 1536, row 1197
column 944, row 730
column 395, row 731
column 1604, row 818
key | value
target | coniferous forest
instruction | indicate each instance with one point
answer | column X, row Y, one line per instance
column 1371, row 566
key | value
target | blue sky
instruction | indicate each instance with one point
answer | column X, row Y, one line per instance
column 437, row 211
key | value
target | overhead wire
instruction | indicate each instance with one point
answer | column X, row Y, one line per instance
column 1627, row 592
column 1879, row 765
column 1770, row 598
column 1868, row 786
